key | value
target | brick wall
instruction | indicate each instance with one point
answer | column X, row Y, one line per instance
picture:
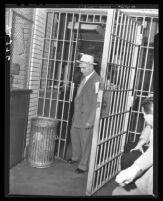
column 35, row 64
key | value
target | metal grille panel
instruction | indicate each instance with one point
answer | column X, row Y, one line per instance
column 144, row 78
column 113, row 108
column 62, row 42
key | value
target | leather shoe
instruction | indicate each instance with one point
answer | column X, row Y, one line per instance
column 79, row 171
column 70, row 161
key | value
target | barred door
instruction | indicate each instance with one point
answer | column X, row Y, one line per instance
column 114, row 99
column 58, row 81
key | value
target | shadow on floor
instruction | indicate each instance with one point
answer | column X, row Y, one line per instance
column 57, row 180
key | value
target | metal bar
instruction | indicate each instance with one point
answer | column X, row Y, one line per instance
column 106, row 49
column 101, row 145
column 119, row 71
column 118, row 61
column 59, row 85
column 47, row 73
column 53, row 71
column 104, row 128
column 150, row 84
column 63, row 106
column 100, row 129
column 56, row 106
column 101, row 176
column 93, row 18
column 105, row 162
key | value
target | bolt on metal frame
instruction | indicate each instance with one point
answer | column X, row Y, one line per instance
column 110, row 129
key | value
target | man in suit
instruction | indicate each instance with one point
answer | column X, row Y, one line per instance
column 141, row 171
column 84, row 114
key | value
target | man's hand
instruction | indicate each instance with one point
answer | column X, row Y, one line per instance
column 88, row 125
column 137, row 148
column 127, row 176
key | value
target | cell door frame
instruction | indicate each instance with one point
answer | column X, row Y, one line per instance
column 90, row 189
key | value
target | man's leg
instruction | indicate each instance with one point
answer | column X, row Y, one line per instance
column 75, row 144
column 86, row 141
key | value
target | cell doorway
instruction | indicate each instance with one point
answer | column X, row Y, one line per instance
column 67, row 34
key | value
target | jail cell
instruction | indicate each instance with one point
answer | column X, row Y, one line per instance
column 144, row 77
column 118, row 67
column 66, row 35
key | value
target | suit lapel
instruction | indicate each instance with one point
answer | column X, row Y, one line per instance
column 87, row 83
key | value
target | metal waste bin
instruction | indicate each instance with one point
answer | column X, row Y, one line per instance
column 42, row 142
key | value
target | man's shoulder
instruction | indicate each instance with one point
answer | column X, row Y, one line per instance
column 96, row 76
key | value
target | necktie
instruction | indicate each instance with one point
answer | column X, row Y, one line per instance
column 81, row 86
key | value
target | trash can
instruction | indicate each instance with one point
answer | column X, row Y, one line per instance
column 42, row 142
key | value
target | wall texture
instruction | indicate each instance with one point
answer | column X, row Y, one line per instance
column 35, row 65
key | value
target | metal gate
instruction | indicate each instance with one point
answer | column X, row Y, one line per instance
column 59, row 79
column 118, row 67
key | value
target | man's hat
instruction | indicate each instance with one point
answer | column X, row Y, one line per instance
column 86, row 58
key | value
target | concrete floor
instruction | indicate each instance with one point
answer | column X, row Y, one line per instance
column 57, row 180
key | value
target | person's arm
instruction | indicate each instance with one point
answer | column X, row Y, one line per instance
column 144, row 138
column 144, row 162
column 91, row 118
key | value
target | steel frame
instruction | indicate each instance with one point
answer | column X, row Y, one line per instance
column 110, row 130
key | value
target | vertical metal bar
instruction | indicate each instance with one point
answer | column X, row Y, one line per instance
column 111, row 124
column 118, row 62
column 47, row 71
column 93, row 18
column 108, row 124
column 114, row 123
column 87, row 18
column 56, row 105
column 101, row 145
column 103, row 129
column 150, row 84
column 107, row 175
column 100, row 129
column 104, row 156
column 101, row 176
column 97, row 178
column 59, row 85
column 120, row 69
column 106, row 49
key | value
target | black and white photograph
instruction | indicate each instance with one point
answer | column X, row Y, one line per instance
column 81, row 100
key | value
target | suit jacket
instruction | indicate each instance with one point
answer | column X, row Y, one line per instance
column 85, row 103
